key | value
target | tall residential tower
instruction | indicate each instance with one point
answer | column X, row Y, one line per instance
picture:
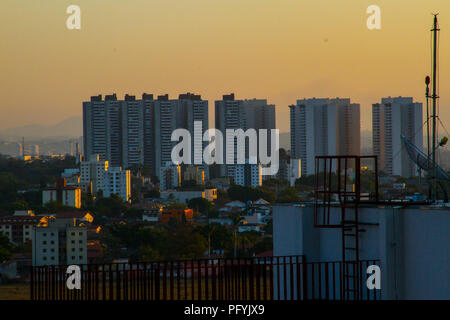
column 242, row 114
column 391, row 119
column 134, row 132
column 324, row 127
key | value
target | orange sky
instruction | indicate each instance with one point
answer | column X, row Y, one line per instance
column 281, row 50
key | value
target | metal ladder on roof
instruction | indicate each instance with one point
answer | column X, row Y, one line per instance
column 334, row 178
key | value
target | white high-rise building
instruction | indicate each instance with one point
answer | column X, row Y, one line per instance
column 167, row 119
column 170, row 115
column 97, row 175
column 34, row 150
column 249, row 175
column 195, row 110
column 102, row 128
column 92, row 173
column 294, row 171
column 149, row 131
column 242, row 114
column 117, row 181
column 391, row 119
column 324, row 127
column 132, row 112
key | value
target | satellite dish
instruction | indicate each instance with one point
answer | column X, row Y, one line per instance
column 423, row 161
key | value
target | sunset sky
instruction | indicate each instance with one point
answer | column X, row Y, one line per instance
column 281, row 50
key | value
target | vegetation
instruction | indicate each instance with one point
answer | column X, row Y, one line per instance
column 244, row 194
column 166, row 242
column 288, row 195
column 201, row 205
column 21, row 182
column 5, row 248
column 180, row 240
column 21, row 185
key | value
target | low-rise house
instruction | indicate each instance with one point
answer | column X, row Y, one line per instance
column 234, row 206
column 18, row 227
column 245, row 226
column 221, row 221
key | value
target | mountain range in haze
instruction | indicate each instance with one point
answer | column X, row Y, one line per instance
column 69, row 128
column 73, row 128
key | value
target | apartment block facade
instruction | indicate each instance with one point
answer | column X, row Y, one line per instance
column 391, row 119
column 132, row 132
column 117, row 181
column 248, row 175
column 242, row 114
column 97, row 175
column 60, row 242
column 324, row 127
column 170, row 176
column 66, row 195
column 18, row 227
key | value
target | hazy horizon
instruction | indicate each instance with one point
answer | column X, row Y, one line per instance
column 275, row 50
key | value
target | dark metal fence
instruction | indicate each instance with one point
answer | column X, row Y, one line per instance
column 270, row 278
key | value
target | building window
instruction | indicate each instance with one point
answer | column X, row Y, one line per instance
column 44, row 234
column 73, row 249
column 81, row 257
column 53, row 258
column 73, row 257
column 44, row 250
column 45, row 258
column 81, row 249
column 73, row 233
column 44, row 242
column 81, row 233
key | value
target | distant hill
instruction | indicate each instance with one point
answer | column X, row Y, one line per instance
column 71, row 128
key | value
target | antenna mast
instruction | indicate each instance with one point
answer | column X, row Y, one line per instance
column 434, row 98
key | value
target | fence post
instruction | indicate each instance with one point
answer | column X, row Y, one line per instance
column 157, row 275
column 305, row 278
column 31, row 283
column 251, row 280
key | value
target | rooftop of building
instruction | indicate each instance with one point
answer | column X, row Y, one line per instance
column 62, row 188
column 381, row 204
column 71, row 214
column 19, row 219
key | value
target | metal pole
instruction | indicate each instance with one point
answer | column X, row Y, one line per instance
column 434, row 98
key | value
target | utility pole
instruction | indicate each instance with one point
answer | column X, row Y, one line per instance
column 434, row 98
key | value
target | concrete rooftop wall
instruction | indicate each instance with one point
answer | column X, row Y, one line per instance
column 412, row 244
